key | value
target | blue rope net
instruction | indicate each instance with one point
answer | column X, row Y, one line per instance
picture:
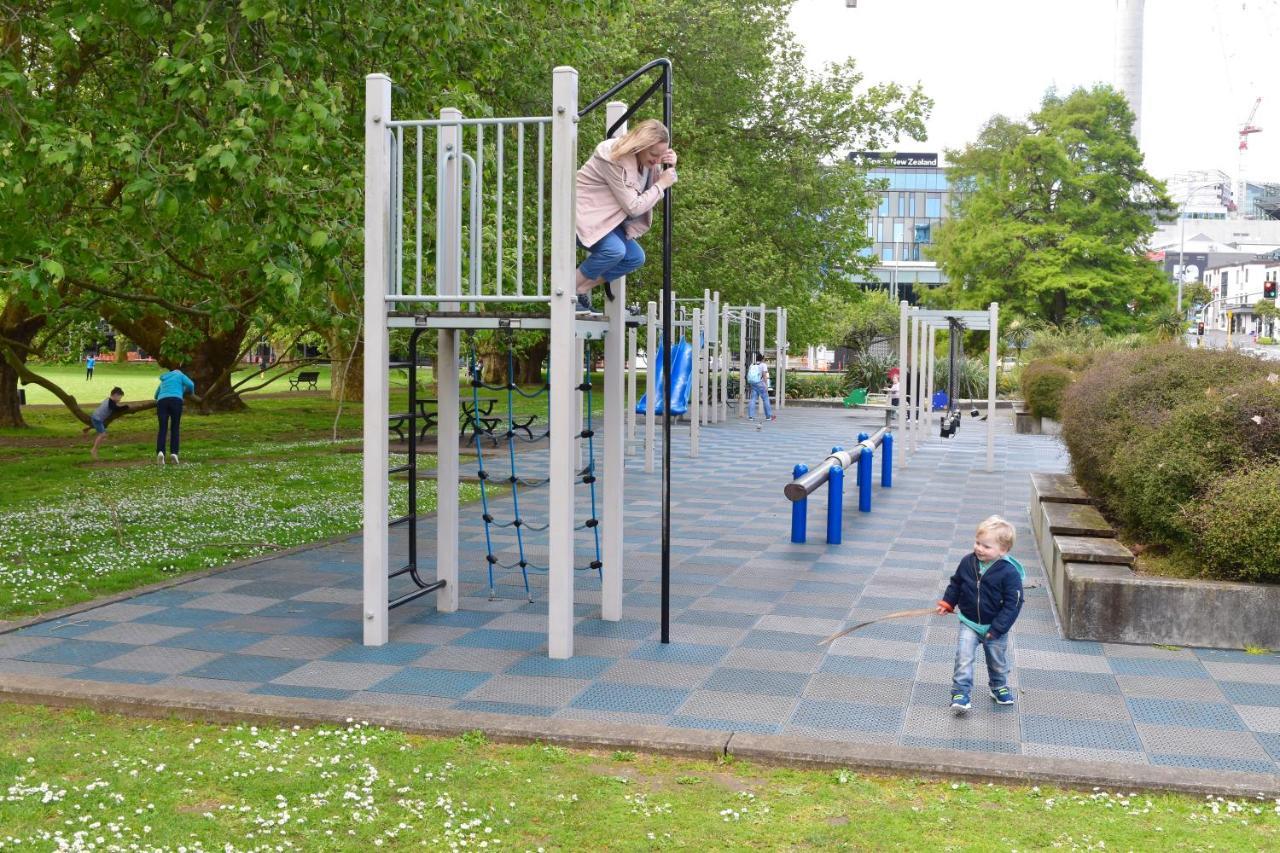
column 481, row 429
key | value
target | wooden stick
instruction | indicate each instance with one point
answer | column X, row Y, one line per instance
column 901, row 614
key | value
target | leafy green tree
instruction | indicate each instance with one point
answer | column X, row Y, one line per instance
column 1056, row 222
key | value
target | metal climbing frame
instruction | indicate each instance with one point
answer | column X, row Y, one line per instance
column 752, row 322
column 400, row 252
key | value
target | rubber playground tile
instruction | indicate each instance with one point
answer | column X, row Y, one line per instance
column 757, row 681
column 1196, row 715
column 487, row 638
column 1158, row 668
column 183, row 617
column 297, row 647
column 630, row 698
column 514, row 709
column 1260, row 719
column 682, row 721
column 122, row 611
column 848, row 716
column 135, row 634
column 231, row 602
column 26, row 667
column 579, row 666
column 679, row 652
column 1181, row 740
column 61, row 628
column 302, row 692
column 869, row 667
column 117, row 676
column 81, row 652
column 159, row 660
column 298, row 609
column 1271, row 743
column 529, row 690
column 782, row 641
column 1070, row 682
column 337, row 629
column 214, row 641
column 749, row 707
column 399, row 653
column 683, row 675
column 234, row 667
column 1249, row 693
column 967, row 744
column 1240, row 765
column 1091, row 734
column 431, row 682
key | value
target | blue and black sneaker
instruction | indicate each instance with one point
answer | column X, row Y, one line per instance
column 1002, row 696
column 960, row 702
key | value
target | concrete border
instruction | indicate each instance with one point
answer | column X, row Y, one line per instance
column 778, row 750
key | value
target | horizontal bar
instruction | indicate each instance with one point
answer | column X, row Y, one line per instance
column 465, row 297
column 417, row 593
column 396, row 522
column 592, row 329
column 467, row 122
column 806, row 484
column 399, row 469
column 665, row 64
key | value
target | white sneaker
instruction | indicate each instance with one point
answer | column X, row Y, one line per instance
column 160, row 458
column 173, row 457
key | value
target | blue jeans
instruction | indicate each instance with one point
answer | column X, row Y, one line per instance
column 613, row 256
column 169, row 414
column 997, row 651
column 761, row 391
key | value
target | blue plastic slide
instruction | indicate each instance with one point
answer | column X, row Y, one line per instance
column 682, row 370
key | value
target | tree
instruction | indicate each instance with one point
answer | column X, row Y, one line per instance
column 1055, row 224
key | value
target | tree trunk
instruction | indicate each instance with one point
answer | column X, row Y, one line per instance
column 10, row 411
column 216, row 354
column 1058, row 314
column 19, row 326
column 122, row 348
column 347, row 382
column 529, row 364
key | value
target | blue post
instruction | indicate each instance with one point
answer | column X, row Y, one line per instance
column 886, row 461
column 835, row 505
column 864, row 480
column 857, row 471
column 799, row 509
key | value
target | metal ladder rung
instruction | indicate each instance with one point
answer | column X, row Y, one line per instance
column 395, row 522
column 399, row 469
column 417, row 593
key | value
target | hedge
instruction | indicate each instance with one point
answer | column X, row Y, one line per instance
column 1043, row 383
column 1238, row 525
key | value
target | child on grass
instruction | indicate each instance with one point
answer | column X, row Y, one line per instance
column 100, row 416
column 987, row 585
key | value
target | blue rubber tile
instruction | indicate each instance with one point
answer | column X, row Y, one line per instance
column 967, row 744
column 682, row 722
column 80, row 652
column 244, row 668
column 694, row 653
column 274, row 589
column 215, row 641
column 1045, row 643
column 1233, row 656
column 1248, row 693
column 900, row 632
column 696, row 578
column 852, row 716
column 66, row 628
column 300, row 692
column 347, row 629
column 625, row 630
column 578, row 666
column 767, row 682
column 165, row 598
column 631, row 698
column 457, row 619
column 1195, row 715
column 300, row 609
column 1071, row 682
column 1089, row 734
column 185, row 617
column 491, row 638
column 392, row 653
column 516, row 709
column 653, row 599
column 869, row 667
column 119, row 676
column 745, row 594
column 940, row 654
column 1158, row 668
column 1271, row 743
column 717, row 619
column 808, row 611
column 838, row 591
column 449, row 683
column 1244, row 765
column 781, row 641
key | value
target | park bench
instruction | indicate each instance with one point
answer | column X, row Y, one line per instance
column 861, row 398
column 306, row 377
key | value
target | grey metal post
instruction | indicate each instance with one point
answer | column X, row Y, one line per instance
column 994, row 308
column 614, row 437
column 650, row 384
column 724, row 361
column 695, row 386
column 448, row 281
column 564, row 155
column 904, row 382
column 742, row 361
column 377, row 277
column 631, row 390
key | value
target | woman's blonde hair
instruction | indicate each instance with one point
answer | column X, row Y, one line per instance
column 647, row 133
column 999, row 528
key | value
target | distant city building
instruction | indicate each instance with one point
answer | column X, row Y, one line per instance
column 911, row 206
column 1236, row 287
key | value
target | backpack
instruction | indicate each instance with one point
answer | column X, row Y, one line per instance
column 755, row 373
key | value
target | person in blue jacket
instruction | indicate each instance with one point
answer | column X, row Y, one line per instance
column 986, row 593
column 174, row 385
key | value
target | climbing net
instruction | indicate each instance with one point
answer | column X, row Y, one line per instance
column 521, row 524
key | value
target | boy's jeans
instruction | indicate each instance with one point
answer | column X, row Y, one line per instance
column 758, row 389
column 997, row 651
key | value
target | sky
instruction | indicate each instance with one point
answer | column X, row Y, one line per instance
column 1204, row 64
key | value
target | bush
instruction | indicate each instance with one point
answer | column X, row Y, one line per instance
column 869, row 371
column 1043, row 383
column 971, row 375
column 812, row 386
column 1238, row 525
column 1266, row 341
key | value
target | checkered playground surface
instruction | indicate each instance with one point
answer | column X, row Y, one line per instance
column 748, row 609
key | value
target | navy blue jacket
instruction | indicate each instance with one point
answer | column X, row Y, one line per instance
column 993, row 597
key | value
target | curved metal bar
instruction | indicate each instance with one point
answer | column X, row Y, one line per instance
column 664, row 64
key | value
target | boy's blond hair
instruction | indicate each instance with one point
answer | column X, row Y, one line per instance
column 1003, row 531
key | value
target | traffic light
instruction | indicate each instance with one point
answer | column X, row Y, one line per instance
column 1269, row 290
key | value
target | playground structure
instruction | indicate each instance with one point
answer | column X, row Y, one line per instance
column 752, row 322
column 917, row 344
column 397, row 255
column 830, row 471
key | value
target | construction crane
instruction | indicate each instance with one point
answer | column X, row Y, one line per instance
column 1240, row 202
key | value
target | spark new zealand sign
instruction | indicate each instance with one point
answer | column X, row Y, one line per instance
column 896, row 159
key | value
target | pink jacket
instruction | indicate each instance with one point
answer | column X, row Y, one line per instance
column 610, row 193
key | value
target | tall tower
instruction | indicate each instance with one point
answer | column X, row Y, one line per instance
column 1128, row 72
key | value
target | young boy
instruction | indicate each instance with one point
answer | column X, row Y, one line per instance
column 98, row 419
column 986, row 589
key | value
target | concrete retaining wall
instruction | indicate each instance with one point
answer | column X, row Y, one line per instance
column 1098, row 596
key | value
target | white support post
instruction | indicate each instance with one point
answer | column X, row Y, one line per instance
column 742, row 362
column 782, row 357
column 704, row 358
column 930, row 382
column 724, row 363
column 614, row 437
column 650, row 383
column 449, row 281
column 632, row 335
column 563, row 371
column 695, row 386
column 994, row 309
column 377, row 278
column 903, row 377
column 579, row 357
column 917, row 382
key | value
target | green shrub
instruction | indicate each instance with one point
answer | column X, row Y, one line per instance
column 1043, row 383
column 869, row 371
column 1266, row 341
column 1009, row 382
column 1238, row 525
column 814, row 386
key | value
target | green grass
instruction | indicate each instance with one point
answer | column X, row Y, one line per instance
column 114, row 782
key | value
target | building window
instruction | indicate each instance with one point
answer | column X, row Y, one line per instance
column 898, row 236
column 887, row 254
column 933, row 206
column 922, row 233
column 911, row 205
column 884, row 205
column 902, row 204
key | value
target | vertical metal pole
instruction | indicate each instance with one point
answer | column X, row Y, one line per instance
column 695, row 386
column 930, row 366
column 667, row 99
column 835, row 504
column 857, row 471
column 799, row 509
column 886, row 461
column 914, row 384
column 903, row 376
column 564, row 372
column 864, row 480
column 632, row 335
column 650, row 384
column 724, row 361
column 377, row 278
column 579, row 357
column 782, row 357
column 994, row 310
column 449, row 255
column 615, row 404
column 742, row 362
column 704, row 358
